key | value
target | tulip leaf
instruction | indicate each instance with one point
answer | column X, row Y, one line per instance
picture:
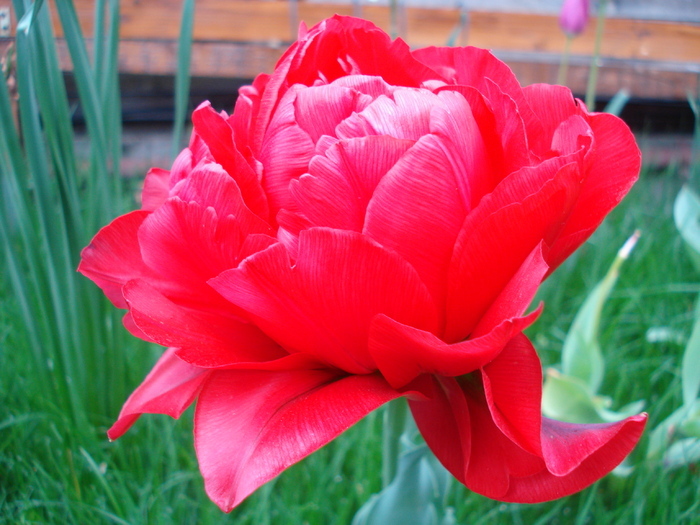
column 25, row 23
column 414, row 497
column 567, row 399
column 683, row 452
column 670, row 428
column 690, row 367
column 581, row 356
column 691, row 426
column 686, row 213
column 618, row 102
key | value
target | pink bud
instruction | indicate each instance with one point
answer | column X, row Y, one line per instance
column 574, row 16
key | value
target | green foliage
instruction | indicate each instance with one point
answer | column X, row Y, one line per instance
column 572, row 395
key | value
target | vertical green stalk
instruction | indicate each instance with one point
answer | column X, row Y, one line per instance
column 564, row 64
column 394, row 425
column 593, row 74
column 394, row 18
column 182, row 78
column 694, row 179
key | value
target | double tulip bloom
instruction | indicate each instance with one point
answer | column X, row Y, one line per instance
column 371, row 222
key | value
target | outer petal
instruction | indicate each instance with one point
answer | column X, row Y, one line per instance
column 528, row 207
column 517, row 295
column 471, row 66
column 612, row 166
column 402, row 352
column 605, row 446
column 156, row 189
column 513, row 392
column 324, row 304
column 509, row 452
column 251, row 425
column 113, row 257
column 336, row 47
column 205, row 339
column 169, row 388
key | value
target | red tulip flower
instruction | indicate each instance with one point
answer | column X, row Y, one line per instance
column 371, row 222
column 573, row 17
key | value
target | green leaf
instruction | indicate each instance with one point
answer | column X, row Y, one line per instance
column 182, row 78
column 581, row 356
column 690, row 367
column 681, row 453
column 686, row 213
column 414, row 497
column 667, row 431
column 618, row 102
column 25, row 23
column 567, row 399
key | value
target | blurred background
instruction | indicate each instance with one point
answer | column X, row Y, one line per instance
column 650, row 49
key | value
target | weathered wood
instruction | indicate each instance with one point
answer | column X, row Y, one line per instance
column 269, row 22
column 240, row 38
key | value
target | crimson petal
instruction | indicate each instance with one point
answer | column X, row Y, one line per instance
column 169, row 388
column 528, row 207
column 113, row 257
column 217, row 133
column 324, row 303
column 205, row 339
column 250, row 425
column 402, row 352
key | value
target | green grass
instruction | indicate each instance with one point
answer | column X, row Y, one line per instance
column 53, row 472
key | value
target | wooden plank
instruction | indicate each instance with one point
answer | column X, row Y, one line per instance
column 270, row 22
column 241, row 38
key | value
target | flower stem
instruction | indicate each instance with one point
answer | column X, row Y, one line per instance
column 394, row 424
column 593, row 75
column 564, row 64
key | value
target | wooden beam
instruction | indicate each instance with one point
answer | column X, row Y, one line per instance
column 241, row 38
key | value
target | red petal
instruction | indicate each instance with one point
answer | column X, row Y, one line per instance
column 552, row 105
column 405, row 114
column 218, row 136
column 186, row 244
column 513, row 389
column 210, row 186
column 528, row 207
column 285, row 153
column 517, row 295
column 459, row 428
column 445, row 423
column 251, row 425
column 169, row 388
column 318, row 110
column 113, row 257
column 339, row 46
column 402, row 352
column 611, row 167
column 475, row 67
column 156, row 189
column 206, row 339
column 417, row 210
column 591, row 451
column 323, row 304
column 340, row 184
